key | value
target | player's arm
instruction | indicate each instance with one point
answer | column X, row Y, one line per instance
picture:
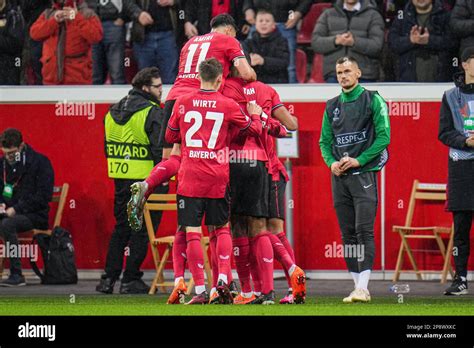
column 173, row 134
column 248, row 126
column 275, row 128
column 281, row 113
column 245, row 70
column 326, row 140
column 382, row 131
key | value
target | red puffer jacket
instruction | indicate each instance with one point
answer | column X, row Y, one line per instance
column 67, row 47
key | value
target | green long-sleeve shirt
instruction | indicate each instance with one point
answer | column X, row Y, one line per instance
column 342, row 118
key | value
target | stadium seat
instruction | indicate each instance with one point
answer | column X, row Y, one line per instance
column 167, row 202
column 309, row 21
column 301, row 65
column 432, row 193
column 59, row 196
column 317, row 70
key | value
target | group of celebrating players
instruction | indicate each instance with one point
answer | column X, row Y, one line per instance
column 218, row 130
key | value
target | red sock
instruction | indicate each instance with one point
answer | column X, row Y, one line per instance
column 179, row 254
column 254, row 271
column 289, row 249
column 214, row 264
column 286, row 244
column 195, row 257
column 162, row 172
column 265, row 261
column 242, row 262
column 280, row 252
column 224, row 251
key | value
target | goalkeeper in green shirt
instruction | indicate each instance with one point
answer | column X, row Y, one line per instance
column 354, row 139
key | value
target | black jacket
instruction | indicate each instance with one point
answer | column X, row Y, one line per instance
column 274, row 50
column 448, row 134
column 108, row 12
column 12, row 36
column 462, row 22
column 137, row 100
column 32, row 194
column 280, row 8
column 200, row 11
column 440, row 42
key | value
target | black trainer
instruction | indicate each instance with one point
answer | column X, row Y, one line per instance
column 458, row 287
column 233, row 289
column 13, row 280
column 265, row 299
column 106, row 285
column 134, row 287
column 225, row 297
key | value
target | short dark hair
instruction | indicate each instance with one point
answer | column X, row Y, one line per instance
column 344, row 59
column 265, row 11
column 222, row 20
column 144, row 77
column 210, row 69
column 467, row 54
column 11, row 137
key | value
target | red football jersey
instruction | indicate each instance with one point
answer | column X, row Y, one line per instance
column 224, row 48
column 203, row 121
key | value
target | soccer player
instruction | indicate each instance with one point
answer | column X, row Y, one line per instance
column 202, row 121
column 250, row 189
column 220, row 44
column 354, row 138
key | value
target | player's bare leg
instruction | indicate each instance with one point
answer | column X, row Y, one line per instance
column 284, row 253
column 141, row 190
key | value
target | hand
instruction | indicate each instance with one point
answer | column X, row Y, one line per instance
column 70, row 13
column 60, row 16
column 3, row 206
column 293, row 19
column 145, row 19
column 470, row 141
column 119, row 22
column 190, row 30
column 245, row 29
column 256, row 59
column 349, row 162
column 250, row 16
column 10, row 212
column 164, row 3
column 424, row 38
column 254, row 109
column 336, row 168
column 348, row 39
column 415, row 35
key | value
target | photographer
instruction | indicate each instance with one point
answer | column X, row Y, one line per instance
column 26, row 183
column 68, row 30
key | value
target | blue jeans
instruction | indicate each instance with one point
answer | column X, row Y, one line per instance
column 159, row 49
column 108, row 56
column 290, row 35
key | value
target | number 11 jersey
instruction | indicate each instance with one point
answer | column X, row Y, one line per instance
column 224, row 48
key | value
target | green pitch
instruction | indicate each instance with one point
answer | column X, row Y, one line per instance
column 155, row 305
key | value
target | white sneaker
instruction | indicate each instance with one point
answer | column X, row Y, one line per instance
column 361, row 295
column 349, row 298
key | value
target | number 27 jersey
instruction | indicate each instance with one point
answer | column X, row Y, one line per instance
column 202, row 122
column 222, row 47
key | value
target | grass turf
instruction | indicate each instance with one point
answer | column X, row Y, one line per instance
column 155, row 305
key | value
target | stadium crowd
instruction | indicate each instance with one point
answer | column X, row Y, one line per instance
column 55, row 42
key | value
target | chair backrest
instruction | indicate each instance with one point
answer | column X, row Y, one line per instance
column 59, row 196
column 317, row 70
column 424, row 192
column 301, row 65
column 309, row 21
column 156, row 201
